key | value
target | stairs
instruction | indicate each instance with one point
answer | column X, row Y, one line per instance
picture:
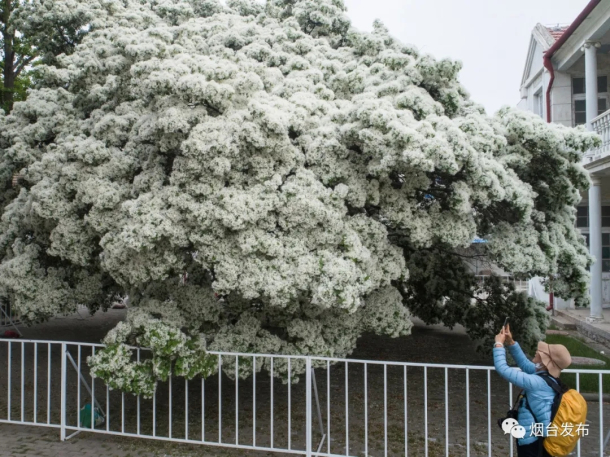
column 596, row 331
column 563, row 323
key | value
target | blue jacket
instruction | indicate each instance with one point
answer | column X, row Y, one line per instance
column 539, row 393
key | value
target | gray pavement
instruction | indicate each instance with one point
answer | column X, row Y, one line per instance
column 23, row 440
column 27, row 441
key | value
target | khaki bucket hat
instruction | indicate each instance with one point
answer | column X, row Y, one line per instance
column 555, row 357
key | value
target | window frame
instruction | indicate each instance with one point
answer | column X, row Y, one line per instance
column 539, row 102
column 585, row 87
column 605, row 215
column 585, row 232
column 583, row 96
column 584, row 216
column 605, row 248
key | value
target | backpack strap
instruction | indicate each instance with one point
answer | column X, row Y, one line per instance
column 553, row 382
column 519, row 397
column 558, row 387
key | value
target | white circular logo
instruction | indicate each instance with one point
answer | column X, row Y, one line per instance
column 518, row 431
column 508, row 424
column 511, row 426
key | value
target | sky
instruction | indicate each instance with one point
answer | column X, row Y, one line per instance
column 489, row 37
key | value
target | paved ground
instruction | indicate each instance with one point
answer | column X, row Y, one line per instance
column 80, row 327
column 26, row 441
column 18, row 440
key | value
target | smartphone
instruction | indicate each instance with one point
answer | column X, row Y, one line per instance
column 505, row 322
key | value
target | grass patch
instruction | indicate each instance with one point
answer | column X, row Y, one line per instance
column 588, row 383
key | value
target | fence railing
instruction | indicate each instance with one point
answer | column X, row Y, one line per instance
column 8, row 318
column 276, row 403
column 601, row 125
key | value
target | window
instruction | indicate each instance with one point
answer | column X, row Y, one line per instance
column 538, row 103
column 578, row 85
column 605, row 251
column 579, row 99
column 582, row 216
column 605, row 216
column 580, row 110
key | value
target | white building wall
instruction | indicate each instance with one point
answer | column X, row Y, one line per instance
column 537, row 60
column 534, row 88
column 561, row 99
column 534, row 95
column 536, row 290
column 523, row 104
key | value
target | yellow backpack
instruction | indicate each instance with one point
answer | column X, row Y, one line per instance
column 569, row 410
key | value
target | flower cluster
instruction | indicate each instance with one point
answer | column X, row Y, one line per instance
column 168, row 351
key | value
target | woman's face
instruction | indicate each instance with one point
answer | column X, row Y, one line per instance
column 537, row 358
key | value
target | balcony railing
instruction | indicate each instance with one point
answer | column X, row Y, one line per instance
column 601, row 125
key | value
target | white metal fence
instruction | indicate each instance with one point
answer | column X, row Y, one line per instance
column 8, row 318
column 338, row 407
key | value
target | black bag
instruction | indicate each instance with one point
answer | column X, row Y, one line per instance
column 511, row 413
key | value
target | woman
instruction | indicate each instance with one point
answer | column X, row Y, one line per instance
column 539, row 396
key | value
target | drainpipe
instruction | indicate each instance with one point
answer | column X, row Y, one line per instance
column 549, row 66
column 562, row 39
column 551, row 306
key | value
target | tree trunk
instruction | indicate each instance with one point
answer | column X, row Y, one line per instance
column 6, row 96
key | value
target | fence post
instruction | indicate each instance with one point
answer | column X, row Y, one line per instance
column 308, row 402
column 63, row 392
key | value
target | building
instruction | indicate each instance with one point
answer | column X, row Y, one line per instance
column 565, row 80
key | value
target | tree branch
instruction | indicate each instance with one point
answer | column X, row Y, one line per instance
column 463, row 255
column 21, row 64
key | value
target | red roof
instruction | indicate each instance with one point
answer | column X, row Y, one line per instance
column 557, row 31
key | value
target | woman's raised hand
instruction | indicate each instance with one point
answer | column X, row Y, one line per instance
column 501, row 337
column 508, row 335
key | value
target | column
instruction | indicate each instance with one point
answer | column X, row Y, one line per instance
column 591, row 80
column 595, row 244
column 595, row 200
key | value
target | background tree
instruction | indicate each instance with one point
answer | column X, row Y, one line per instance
column 265, row 178
column 36, row 29
column 16, row 54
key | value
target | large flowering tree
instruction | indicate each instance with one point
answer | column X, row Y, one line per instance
column 265, row 178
